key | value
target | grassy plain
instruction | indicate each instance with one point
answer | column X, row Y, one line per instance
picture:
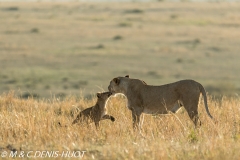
column 32, row 125
column 71, row 48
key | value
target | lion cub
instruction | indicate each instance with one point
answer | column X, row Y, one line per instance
column 97, row 112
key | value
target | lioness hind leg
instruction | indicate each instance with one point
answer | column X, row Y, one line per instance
column 191, row 107
column 106, row 116
column 194, row 117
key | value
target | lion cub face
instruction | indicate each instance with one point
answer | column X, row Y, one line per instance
column 118, row 85
column 103, row 96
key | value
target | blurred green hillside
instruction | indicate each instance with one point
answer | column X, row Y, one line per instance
column 61, row 49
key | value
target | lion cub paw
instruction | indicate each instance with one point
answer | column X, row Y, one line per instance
column 112, row 118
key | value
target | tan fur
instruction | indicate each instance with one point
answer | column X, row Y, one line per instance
column 97, row 112
column 143, row 98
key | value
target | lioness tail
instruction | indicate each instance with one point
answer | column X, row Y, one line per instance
column 202, row 90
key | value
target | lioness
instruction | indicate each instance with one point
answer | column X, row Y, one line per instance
column 143, row 98
column 97, row 112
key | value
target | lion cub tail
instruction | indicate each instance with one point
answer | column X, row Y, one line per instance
column 202, row 90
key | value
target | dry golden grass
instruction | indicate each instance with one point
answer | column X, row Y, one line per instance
column 33, row 125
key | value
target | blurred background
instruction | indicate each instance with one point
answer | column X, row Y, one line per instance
column 62, row 48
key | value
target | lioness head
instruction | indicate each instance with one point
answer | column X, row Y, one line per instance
column 118, row 84
column 104, row 95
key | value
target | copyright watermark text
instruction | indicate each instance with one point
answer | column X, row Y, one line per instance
column 42, row 154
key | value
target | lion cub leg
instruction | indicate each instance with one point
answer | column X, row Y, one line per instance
column 106, row 116
column 83, row 116
column 97, row 119
column 97, row 124
column 78, row 118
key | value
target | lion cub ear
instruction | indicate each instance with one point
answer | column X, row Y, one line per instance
column 127, row 76
column 116, row 80
column 98, row 95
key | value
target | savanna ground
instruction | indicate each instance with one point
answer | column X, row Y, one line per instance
column 56, row 55
column 32, row 125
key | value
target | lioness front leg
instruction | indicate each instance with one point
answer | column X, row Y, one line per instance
column 106, row 116
column 176, row 107
column 136, row 120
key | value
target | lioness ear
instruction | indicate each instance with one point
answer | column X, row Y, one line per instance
column 98, row 95
column 116, row 80
column 144, row 82
column 127, row 76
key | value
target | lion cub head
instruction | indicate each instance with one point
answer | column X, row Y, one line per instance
column 103, row 96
